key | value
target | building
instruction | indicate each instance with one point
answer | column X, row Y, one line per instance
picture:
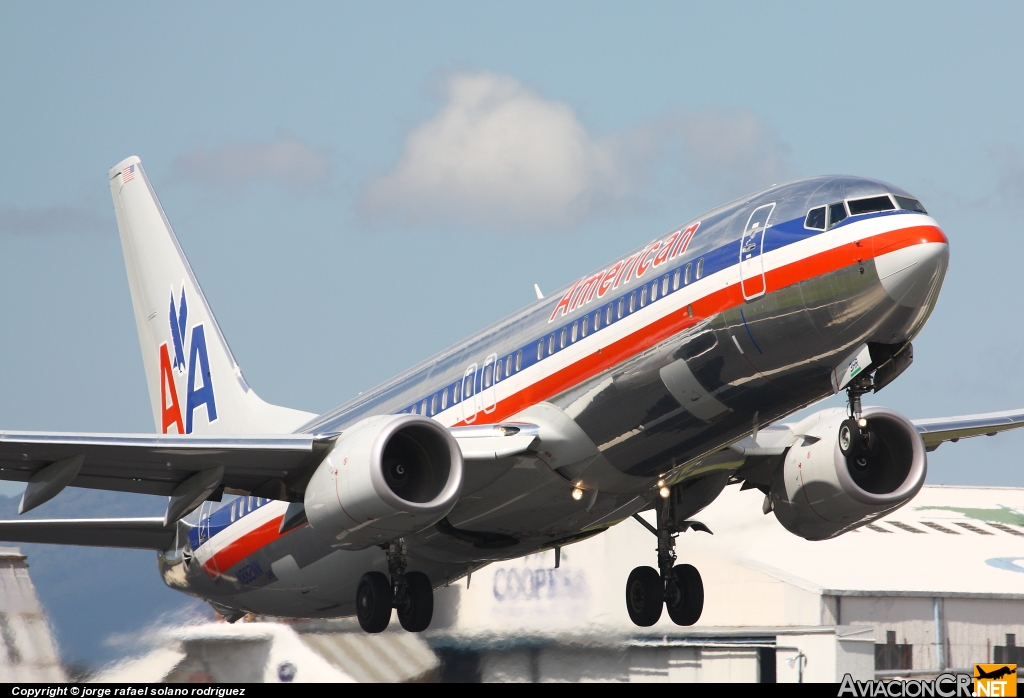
column 27, row 650
column 938, row 584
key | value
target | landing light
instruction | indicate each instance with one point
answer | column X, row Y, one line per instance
column 577, row 493
column 862, row 422
column 664, row 492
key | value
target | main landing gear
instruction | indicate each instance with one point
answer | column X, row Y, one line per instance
column 409, row 592
column 676, row 588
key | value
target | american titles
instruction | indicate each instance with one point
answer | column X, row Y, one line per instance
column 653, row 255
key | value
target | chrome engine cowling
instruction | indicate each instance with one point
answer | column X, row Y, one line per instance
column 386, row 477
column 819, row 493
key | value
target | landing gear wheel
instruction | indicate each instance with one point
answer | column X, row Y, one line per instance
column 849, row 437
column 684, row 599
column 644, row 596
column 416, row 612
column 373, row 602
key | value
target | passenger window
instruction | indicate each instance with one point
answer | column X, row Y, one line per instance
column 664, row 285
column 654, row 291
column 584, row 327
column 456, row 392
column 597, row 320
column 444, row 398
column 433, row 404
column 572, row 337
column 234, row 509
column 540, row 350
column 423, row 409
column 415, row 409
column 908, row 204
column 872, row 204
column 700, row 267
column 815, row 218
column 632, row 301
column 508, row 366
column 836, row 214
column 498, row 365
column 675, row 280
column 487, row 375
column 551, row 344
column 686, row 276
column 621, row 307
column 609, row 315
column 519, row 359
column 561, row 339
column 643, row 296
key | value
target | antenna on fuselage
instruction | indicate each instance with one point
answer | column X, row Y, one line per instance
column 536, row 289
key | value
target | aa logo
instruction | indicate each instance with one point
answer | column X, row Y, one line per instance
column 192, row 363
column 995, row 679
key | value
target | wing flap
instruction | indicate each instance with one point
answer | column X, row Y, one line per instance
column 144, row 534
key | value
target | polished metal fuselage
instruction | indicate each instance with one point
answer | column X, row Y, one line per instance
column 656, row 394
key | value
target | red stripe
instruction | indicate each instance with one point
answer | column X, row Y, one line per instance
column 627, row 347
column 708, row 306
column 244, row 546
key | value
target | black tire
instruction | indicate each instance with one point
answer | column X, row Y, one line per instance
column 418, row 609
column 644, row 596
column 373, row 602
column 849, row 438
column 685, row 602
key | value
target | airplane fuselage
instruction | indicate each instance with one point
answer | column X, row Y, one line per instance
column 654, row 363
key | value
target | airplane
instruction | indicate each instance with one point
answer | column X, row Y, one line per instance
column 995, row 674
column 650, row 384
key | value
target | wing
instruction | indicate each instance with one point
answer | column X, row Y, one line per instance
column 936, row 431
column 145, row 534
column 266, row 466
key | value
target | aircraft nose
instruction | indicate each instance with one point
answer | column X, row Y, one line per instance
column 912, row 274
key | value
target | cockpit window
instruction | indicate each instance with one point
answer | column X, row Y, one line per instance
column 872, row 204
column 908, row 204
column 815, row 218
column 836, row 213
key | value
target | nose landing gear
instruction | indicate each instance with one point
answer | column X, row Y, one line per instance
column 676, row 588
column 856, row 440
column 409, row 592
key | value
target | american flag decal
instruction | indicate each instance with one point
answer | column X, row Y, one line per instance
column 128, row 174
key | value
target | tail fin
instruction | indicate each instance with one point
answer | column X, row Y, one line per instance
column 195, row 386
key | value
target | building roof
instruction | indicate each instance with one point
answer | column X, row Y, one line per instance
column 949, row 541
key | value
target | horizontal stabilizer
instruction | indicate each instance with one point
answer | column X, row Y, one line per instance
column 145, row 534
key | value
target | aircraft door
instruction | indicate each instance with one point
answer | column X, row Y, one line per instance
column 204, row 521
column 752, row 281
column 489, row 390
column 469, row 398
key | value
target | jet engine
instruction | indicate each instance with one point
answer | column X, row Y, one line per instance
column 386, row 477
column 819, row 492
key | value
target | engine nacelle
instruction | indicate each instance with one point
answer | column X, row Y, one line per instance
column 386, row 477
column 819, row 493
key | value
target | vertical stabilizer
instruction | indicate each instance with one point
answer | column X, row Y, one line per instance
column 195, row 386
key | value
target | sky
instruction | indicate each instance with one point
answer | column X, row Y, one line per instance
column 359, row 185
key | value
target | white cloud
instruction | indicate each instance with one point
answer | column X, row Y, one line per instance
column 52, row 219
column 498, row 154
column 286, row 160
